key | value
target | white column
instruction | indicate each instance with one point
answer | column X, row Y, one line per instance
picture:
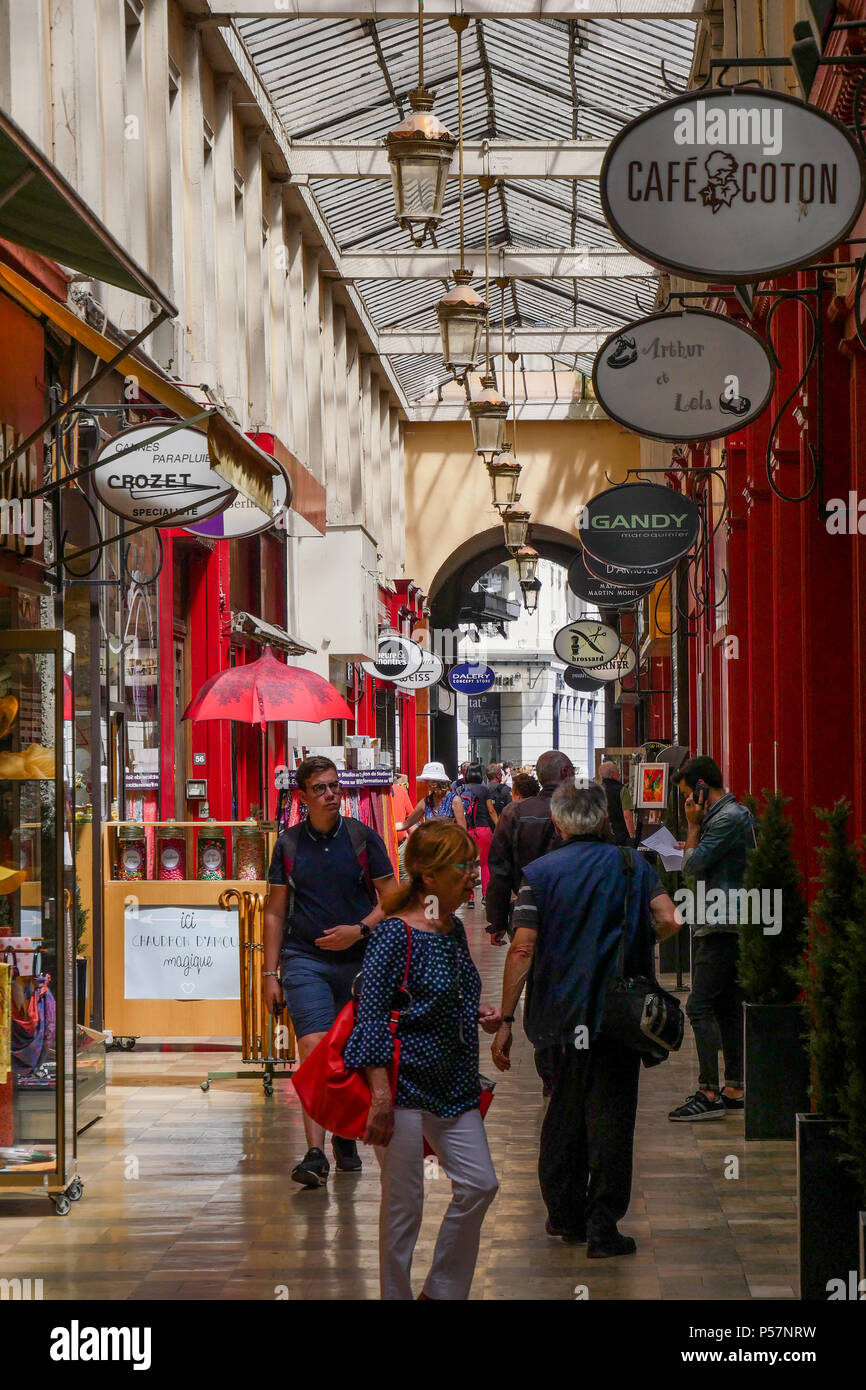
column 397, row 500
column 383, row 523
column 24, row 60
column 227, row 269
column 193, row 155
column 61, row 83
column 341, row 414
column 313, row 363
column 280, row 386
column 355, row 503
column 87, row 113
column 299, row 442
column 155, row 35
column 329, row 427
column 257, row 385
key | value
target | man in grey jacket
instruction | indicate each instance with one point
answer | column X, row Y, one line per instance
column 720, row 835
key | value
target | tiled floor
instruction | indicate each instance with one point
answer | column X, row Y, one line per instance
column 187, row 1196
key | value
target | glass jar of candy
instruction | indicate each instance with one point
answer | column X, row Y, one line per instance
column 170, row 852
column 211, row 851
column 249, row 841
column 131, row 853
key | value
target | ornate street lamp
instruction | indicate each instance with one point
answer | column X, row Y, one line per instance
column 419, row 153
column 527, row 563
column 489, row 410
column 516, row 526
column 531, row 589
column 462, row 313
column 504, row 474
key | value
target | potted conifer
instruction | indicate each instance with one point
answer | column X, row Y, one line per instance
column 827, row 1194
column 771, row 945
column 852, row 1096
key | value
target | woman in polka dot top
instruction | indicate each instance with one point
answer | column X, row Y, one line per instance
column 438, row 1087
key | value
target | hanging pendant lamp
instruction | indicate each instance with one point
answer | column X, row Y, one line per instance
column 489, row 409
column 516, row 526
column 530, row 589
column 419, row 154
column 527, row 563
column 504, row 474
column 461, row 312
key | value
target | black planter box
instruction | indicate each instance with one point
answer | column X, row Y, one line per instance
column 861, row 1232
column 828, row 1208
column 777, row 1070
column 81, row 964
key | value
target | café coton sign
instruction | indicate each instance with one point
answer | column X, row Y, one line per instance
column 143, row 478
column 732, row 185
column 639, row 524
column 600, row 591
column 683, row 376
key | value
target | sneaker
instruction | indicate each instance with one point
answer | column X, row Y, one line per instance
column 605, row 1247
column 346, row 1155
column 734, row 405
column 313, row 1169
column 698, row 1107
column 624, row 353
column 733, row 1102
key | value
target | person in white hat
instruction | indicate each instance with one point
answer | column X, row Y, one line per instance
column 439, row 801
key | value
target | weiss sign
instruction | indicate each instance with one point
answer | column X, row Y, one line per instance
column 732, row 185
column 181, row 953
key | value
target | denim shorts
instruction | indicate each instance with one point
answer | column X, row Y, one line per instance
column 315, row 990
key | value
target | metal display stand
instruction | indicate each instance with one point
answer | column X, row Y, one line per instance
column 266, row 1043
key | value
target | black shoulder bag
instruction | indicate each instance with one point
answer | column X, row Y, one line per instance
column 637, row 1012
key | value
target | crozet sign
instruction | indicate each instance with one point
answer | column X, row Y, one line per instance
column 639, row 524
column 683, row 376
column 732, row 184
column 144, row 478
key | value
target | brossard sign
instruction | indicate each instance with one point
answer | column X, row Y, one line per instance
column 683, row 376
column 732, row 185
column 639, row 525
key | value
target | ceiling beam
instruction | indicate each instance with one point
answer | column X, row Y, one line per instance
column 547, row 341
column 451, row 412
column 575, row 263
column 505, row 159
column 443, row 9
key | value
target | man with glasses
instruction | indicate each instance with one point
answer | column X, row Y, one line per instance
column 324, row 879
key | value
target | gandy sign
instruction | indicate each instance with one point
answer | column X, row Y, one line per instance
column 732, row 186
column 639, row 524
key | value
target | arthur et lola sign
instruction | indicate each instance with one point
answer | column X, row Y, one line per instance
column 732, row 185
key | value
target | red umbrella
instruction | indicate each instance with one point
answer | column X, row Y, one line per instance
column 266, row 691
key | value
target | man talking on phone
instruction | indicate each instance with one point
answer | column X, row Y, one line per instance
column 721, row 833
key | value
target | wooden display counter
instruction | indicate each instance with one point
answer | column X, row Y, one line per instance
column 162, row 1017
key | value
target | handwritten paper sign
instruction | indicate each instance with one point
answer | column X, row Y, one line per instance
column 181, row 953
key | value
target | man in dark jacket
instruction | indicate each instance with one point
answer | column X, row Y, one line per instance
column 621, row 820
column 568, row 920
column 524, row 832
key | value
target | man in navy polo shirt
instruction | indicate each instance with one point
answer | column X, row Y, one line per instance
column 315, row 936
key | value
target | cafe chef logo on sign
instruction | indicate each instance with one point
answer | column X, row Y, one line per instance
column 396, row 658
column 691, row 375
column 736, row 186
column 144, row 478
column 639, row 524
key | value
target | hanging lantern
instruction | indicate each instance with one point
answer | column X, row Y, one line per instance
column 419, row 154
column 527, row 562
column 462, row 315
column 516, row 526
column 487, row 413
column 504, row 474
column 531, row 589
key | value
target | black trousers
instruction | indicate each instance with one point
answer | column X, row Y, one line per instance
column 715, row 1007
column 587, row 1139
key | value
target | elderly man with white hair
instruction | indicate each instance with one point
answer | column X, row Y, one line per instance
column 620, row 815
column 568, row 919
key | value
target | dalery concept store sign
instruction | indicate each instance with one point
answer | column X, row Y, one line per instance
column 732, row 185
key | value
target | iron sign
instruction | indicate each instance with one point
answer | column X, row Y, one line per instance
column 732, row 185
column 684, row 376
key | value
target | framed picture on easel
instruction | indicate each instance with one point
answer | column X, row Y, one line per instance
column 652, row 786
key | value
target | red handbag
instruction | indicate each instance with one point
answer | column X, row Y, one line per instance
column 337, row 1097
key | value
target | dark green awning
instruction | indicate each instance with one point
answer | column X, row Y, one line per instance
column 42, row 212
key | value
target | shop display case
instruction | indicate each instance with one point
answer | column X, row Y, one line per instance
column 38, row 1041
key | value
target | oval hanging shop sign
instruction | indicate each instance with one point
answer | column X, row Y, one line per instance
column 732, row 184
column 577, row 679
column 586, row 642
column 429, row 673
column 600, row 591
column 690, row 375
column 639, row 525
column 647, row 576
column 396, row 658
column 143, row 477
column 622, row 665
column 466, row 679
column 243, row 518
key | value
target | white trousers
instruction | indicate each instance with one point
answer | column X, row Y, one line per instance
column 460, row 1145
